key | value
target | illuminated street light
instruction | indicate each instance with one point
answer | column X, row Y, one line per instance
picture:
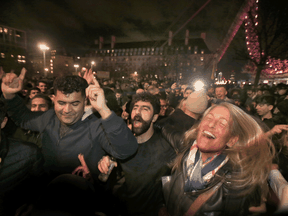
column 76, row 67
column 92, row 64
column 43, row 47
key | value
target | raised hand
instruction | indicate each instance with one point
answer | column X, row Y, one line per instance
column 88, row 76
column 11, row 84
column 277, row 129
column 82, row 169
column 97, row 99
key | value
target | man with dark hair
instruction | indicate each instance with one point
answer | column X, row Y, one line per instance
column 264, row 107
column 65, row 134
column 42, row 85
column 40, row 102
column 188, row 90
column 20, row 165
column 141, row 191
column 33, row 91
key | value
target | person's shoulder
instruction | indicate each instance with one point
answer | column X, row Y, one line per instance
column 22, row 147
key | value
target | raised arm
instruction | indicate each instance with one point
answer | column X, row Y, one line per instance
column 11, row 84
column 97, row 99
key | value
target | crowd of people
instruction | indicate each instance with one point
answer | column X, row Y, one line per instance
column 81, row 146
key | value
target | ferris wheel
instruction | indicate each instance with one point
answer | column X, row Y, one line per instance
column 248, row 13
column 272, row 67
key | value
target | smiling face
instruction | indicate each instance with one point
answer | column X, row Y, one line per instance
column 42, row 86
column 213, row 131
column 220, row 93
column 69, row 108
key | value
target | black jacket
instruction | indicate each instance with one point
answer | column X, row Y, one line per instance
column 224, row 201
column 21, row 167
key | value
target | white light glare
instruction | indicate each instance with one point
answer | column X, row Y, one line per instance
column 198, row 85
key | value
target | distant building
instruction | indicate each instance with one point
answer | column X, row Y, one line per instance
column 57, row 63
column 13, row 48
column 178, row 59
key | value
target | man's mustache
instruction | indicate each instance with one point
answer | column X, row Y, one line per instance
column 138, row 118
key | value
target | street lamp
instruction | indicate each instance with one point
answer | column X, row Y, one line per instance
column 43, row 47
column 76, row 67
column 92, row 64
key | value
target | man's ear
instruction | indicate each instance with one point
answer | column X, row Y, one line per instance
column 270, row 107
column 4, row 122
column 232, row 141
column 155, row 117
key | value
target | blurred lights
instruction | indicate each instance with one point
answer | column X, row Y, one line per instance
column 198, row 85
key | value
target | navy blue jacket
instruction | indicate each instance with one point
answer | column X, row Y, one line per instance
column 93, row 137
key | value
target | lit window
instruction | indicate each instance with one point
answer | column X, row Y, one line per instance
column 12, row 56
column 108, row 51
column 23, row 57
column 202, row 51
column 19, row 56
column 24, row 61
column 53, row 57
column 1, row 30
column 195, row 52
column 143, row 53
column 51, row 71
column 66, row 65
column 51, row 64
column 202, row 58
column 51, row 60
column 51, row 68
column 5, row 30
column 78, row 57
column 2, row 55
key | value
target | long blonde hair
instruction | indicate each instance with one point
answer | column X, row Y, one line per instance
column 251, row 156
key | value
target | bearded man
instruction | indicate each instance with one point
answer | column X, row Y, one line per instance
column 141, row 191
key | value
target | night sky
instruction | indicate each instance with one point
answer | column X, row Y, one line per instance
column 75, row 25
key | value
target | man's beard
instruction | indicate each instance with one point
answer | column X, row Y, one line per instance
column 144, row 127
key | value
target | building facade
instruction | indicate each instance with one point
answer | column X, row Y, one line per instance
column 178, row 59
column 13, row 48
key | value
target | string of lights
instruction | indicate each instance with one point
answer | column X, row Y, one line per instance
column 273, row 67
